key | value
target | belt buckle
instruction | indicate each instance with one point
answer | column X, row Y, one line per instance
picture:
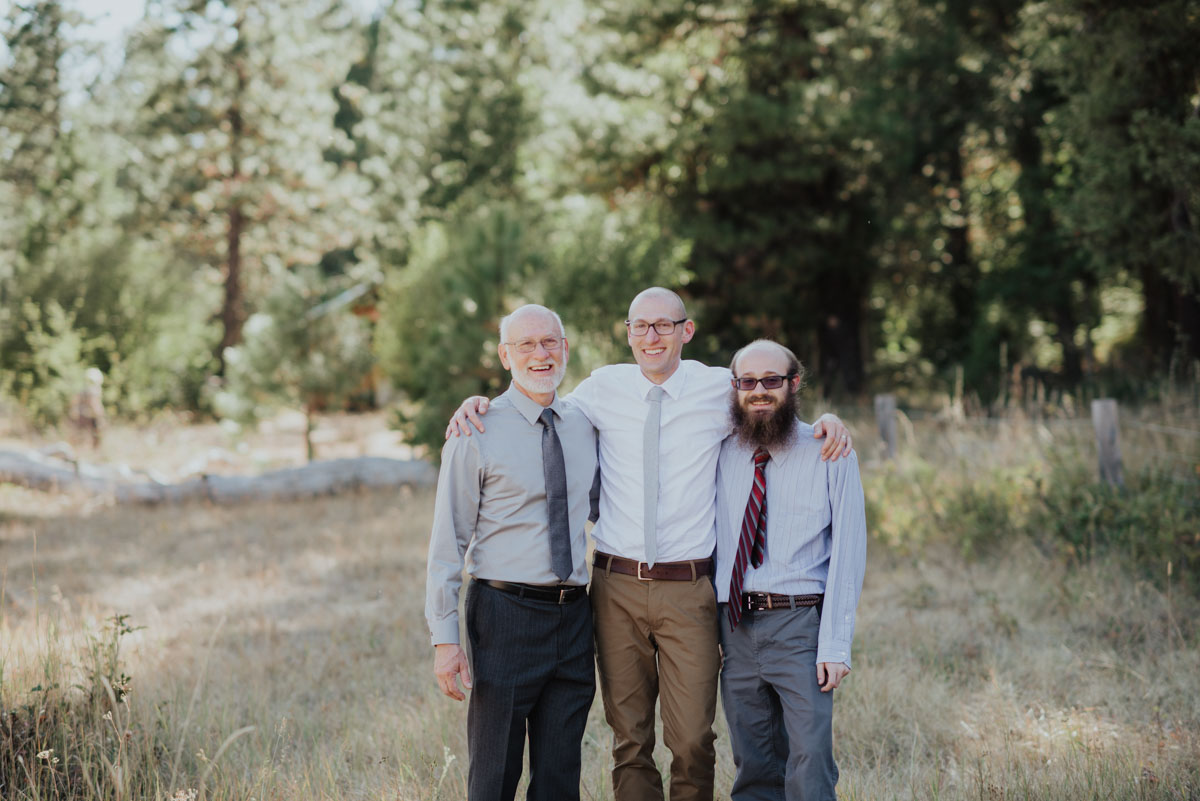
column 639, row 573
column 562, row 595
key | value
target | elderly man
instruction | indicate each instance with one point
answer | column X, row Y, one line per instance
column 660, row 424
column 791, row 550
column 514, row 501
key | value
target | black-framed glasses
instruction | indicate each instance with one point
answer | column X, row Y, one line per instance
column 530, row 345
column 768, row 382
column 639, row 328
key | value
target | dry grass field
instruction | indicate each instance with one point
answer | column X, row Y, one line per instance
column 280, row 652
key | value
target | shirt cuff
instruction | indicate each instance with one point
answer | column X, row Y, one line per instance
column 834, row 652
column 445, row 632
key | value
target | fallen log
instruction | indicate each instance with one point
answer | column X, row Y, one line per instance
column 39, row 472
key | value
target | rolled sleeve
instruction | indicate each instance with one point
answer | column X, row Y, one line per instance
column 455, row 512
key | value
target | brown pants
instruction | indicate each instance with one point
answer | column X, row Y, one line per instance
column 658, row 638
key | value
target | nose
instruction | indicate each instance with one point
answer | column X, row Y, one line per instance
column 652, row 334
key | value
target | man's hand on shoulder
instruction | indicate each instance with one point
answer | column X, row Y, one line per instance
column 468, row 415
column 830, row 675
column 449, row 662
column 838, row 442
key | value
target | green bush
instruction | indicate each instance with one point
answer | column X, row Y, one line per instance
column 1153, row 521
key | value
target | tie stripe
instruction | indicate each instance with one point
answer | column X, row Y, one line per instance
column 753, row 540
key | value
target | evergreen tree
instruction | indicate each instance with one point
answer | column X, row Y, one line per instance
column 235, row 111
column 1130, row 130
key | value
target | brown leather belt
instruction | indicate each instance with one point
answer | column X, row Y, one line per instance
column 770, row 601
column 662, row 571
column 555, row 594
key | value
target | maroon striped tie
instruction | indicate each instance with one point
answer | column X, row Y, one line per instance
column 754, row 539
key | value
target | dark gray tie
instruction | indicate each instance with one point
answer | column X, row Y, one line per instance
column 650, row 474
column 555, row 468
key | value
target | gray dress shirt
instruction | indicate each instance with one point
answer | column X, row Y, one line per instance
column 816, row 531
column 491, row 505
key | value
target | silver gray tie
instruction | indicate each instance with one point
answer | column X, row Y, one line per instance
column 650, row 473
column 555, row 469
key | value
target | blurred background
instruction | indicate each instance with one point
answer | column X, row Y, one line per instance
column 241, row 234
column 230, row 207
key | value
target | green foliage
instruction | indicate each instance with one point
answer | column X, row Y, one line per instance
column 297, row 353
column 1061, row 506
column 904, row 191
column 65, row 740
column 1154, row 520
column 440, row 316
column 48, row 370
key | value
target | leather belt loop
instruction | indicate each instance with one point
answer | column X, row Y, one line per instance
column 693, row 566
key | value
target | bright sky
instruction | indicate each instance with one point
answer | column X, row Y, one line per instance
column 111, row 17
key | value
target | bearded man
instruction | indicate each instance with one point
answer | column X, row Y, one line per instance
column 791, row 551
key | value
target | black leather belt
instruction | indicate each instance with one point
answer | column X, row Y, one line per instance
column 770, row 601
column 560, row 594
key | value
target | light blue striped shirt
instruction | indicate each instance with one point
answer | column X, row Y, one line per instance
column 816, row 531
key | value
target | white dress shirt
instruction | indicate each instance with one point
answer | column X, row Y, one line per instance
column 816, row 531
column 695, row 420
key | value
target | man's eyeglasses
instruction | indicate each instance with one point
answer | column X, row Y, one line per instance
column 639, row 328
column 530, row 345
column 768, row 382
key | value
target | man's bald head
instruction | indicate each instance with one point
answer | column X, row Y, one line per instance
column 787, row 362
column 659, row 293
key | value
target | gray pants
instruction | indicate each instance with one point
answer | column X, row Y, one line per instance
column 780, row 723
column 533, row 670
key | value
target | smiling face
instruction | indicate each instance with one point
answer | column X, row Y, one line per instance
column 659, row 355
column 539, row 372
column 764, row 417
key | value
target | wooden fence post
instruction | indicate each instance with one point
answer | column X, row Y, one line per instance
column 1108, row 445
column 885, row 416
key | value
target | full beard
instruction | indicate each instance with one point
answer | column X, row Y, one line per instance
column 763, row 431
column 539, row 384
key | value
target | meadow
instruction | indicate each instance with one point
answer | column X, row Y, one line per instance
column 1011, row 643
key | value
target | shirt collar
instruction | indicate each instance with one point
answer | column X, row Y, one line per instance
column 530, row 409
column 673, row 386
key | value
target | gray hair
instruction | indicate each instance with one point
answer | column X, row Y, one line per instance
column 529, row 308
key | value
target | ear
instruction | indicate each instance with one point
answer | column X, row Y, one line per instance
column 502, row 351
column 794, row 383
column 689, row 331
column 566, row 351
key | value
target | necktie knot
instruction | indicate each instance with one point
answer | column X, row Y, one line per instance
column 546, row 418
column 760, row 457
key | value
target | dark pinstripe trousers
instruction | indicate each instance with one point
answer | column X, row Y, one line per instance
column 534, row 672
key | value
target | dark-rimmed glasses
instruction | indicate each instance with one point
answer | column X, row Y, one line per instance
column 530, row 345
column 639, row 328
column 768, row 382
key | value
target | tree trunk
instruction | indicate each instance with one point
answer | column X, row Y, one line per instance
column 233, row 311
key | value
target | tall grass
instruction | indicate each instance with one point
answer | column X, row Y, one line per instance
column 279, row 651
